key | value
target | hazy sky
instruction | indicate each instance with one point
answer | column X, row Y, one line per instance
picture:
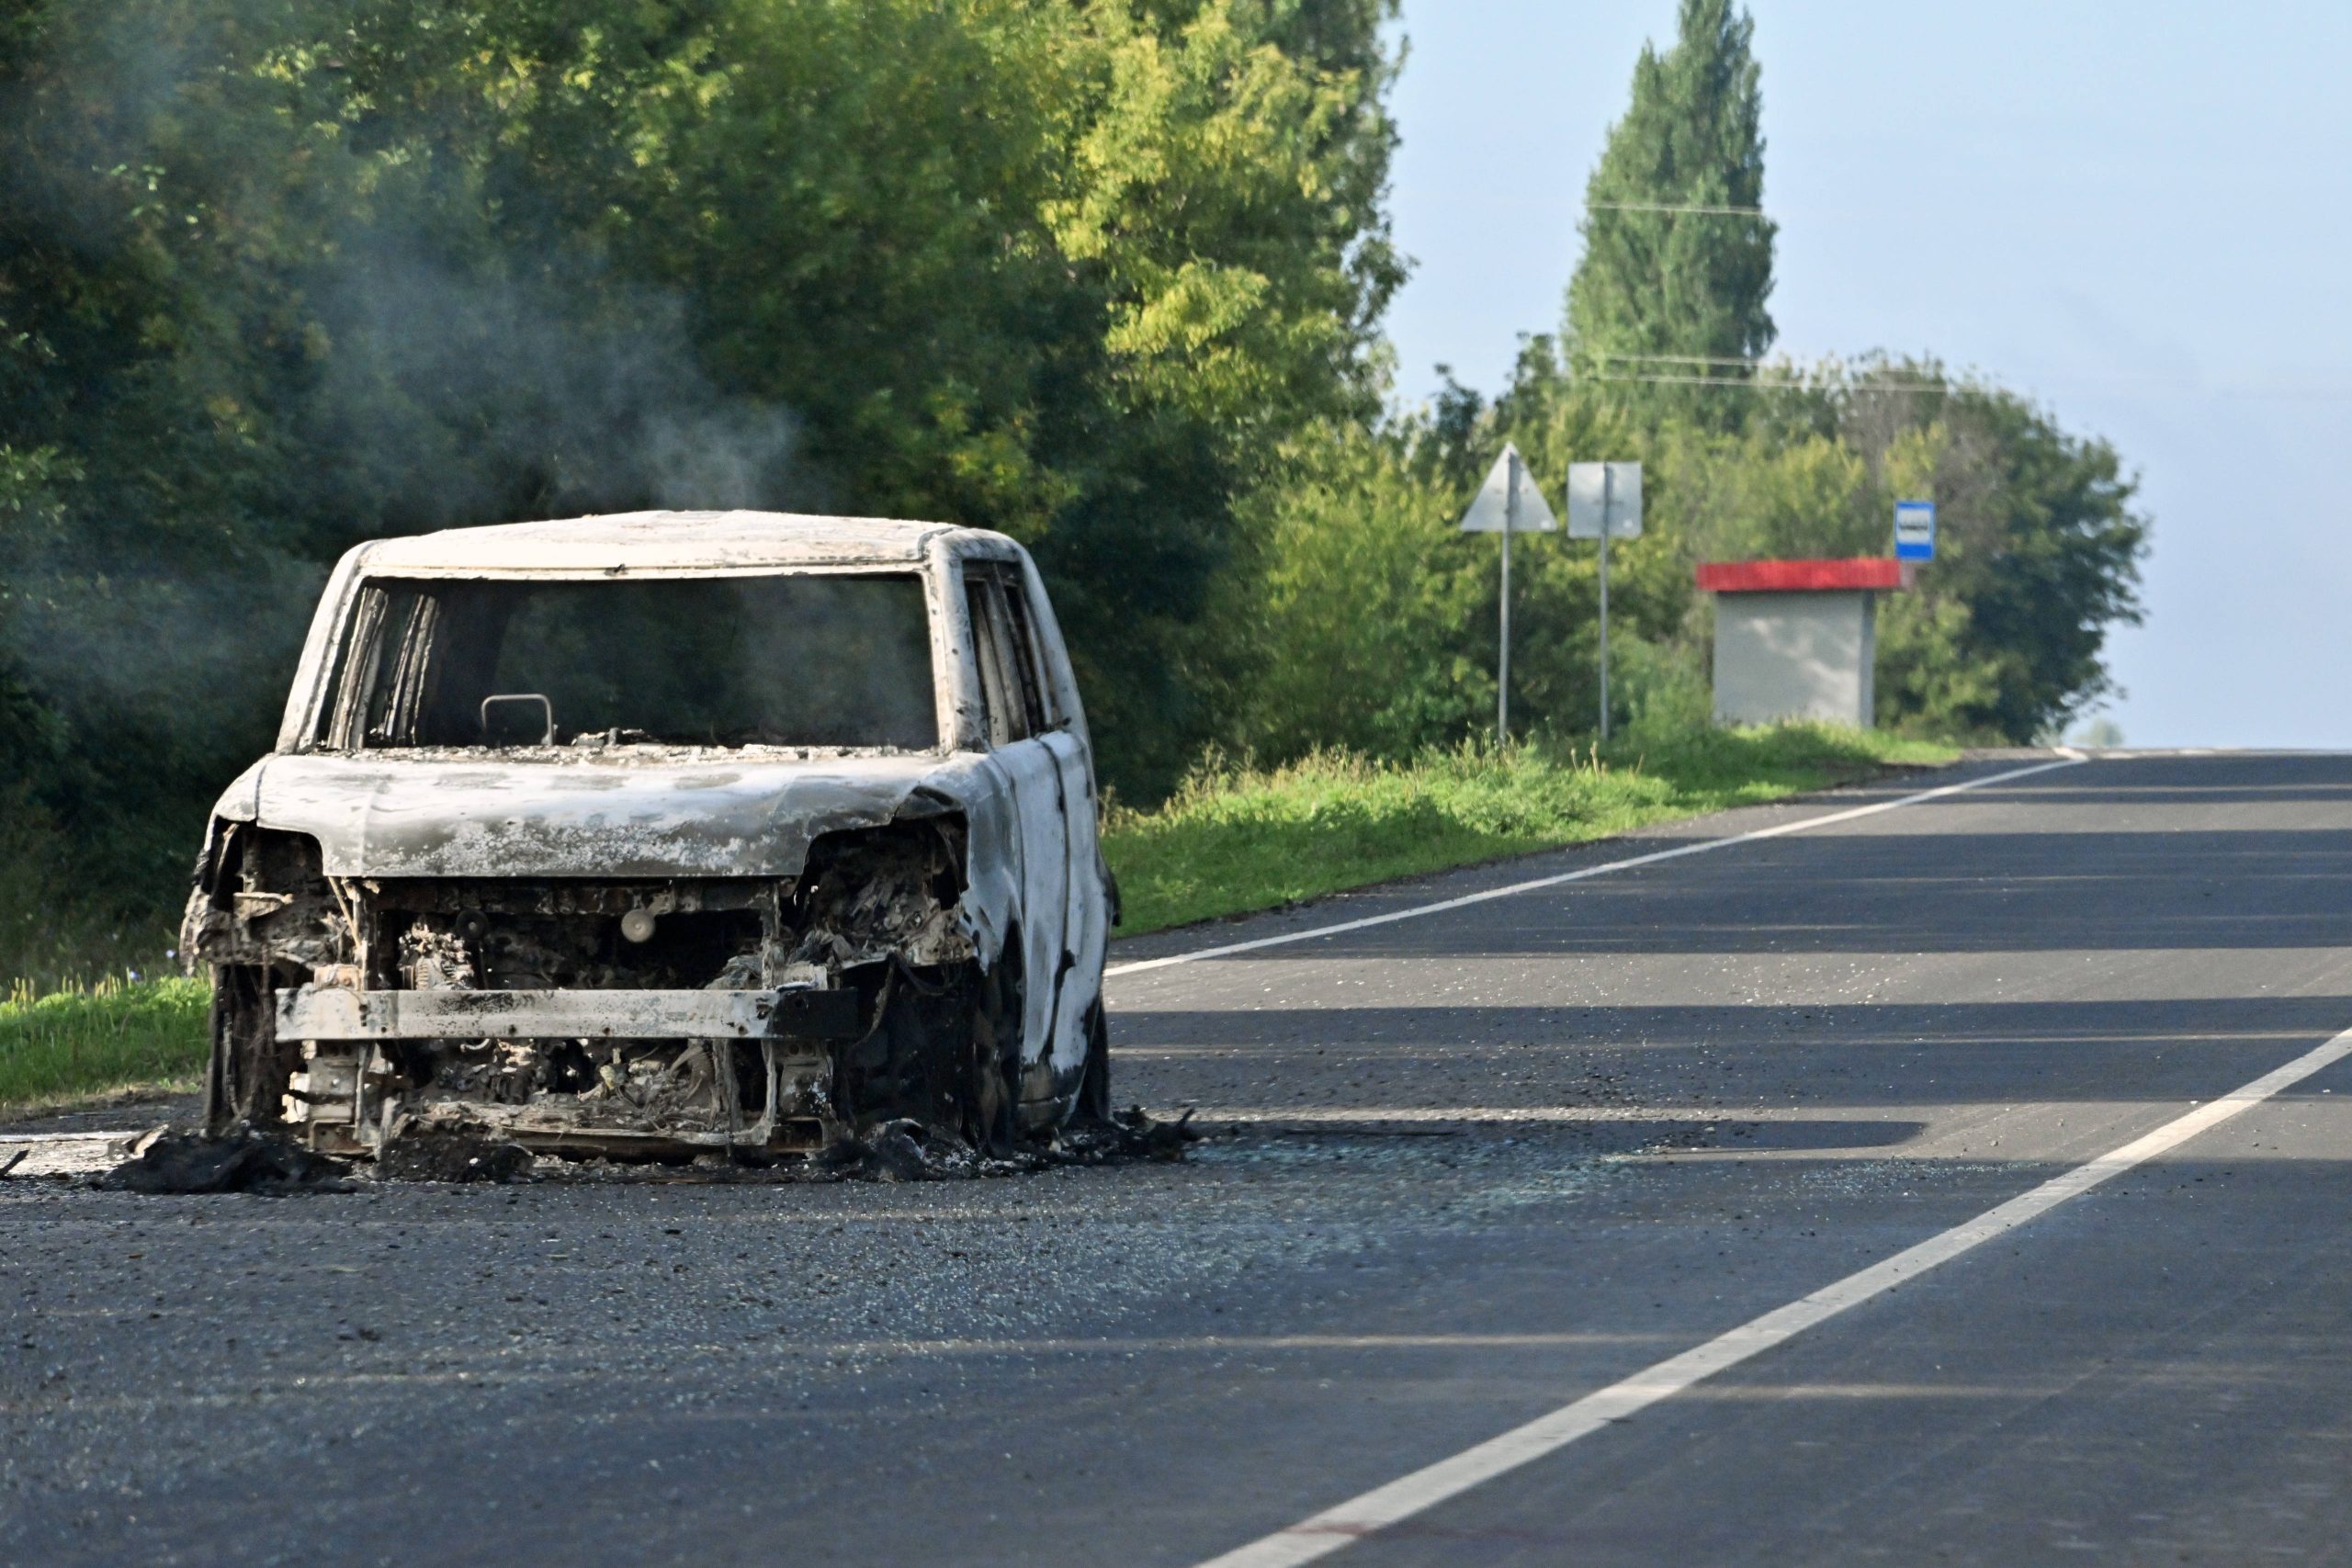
column 2138, row 214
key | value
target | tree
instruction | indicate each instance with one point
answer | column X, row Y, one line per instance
column 1680, row 295
column 278, row 278
column 2045, row 546
column 2039, row 541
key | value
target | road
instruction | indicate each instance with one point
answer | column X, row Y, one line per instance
column 1477, row 1164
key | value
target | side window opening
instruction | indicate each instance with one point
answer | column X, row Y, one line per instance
column 353, row 668
column 391, row 712
column 1036, row 699
column 383, row 640
column 995, row 709
column 1009, row 687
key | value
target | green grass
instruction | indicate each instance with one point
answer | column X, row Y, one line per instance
column 77, row 1043
column 1231, row 841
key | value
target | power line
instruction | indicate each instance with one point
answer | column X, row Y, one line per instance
column 1789, row 374
column 1783, row 386
column 1673, row 207
column 2319, row 394
column 1684, row 359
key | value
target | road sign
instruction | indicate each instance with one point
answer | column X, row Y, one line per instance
column 1915, row 530
column 1610, row 489
column 1604, row 504
column 1509, row 500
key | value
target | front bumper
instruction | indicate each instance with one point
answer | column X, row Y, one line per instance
column 674, row 1070
column 325, row 1013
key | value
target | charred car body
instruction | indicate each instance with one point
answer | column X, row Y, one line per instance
column 665, row 832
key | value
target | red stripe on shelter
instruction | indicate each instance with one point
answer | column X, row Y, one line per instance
column 1863, row 575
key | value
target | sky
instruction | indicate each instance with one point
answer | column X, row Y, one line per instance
column 2137, row 214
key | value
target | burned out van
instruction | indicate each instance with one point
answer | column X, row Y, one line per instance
column 665, row 832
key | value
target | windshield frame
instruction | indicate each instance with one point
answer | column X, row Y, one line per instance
column 331, row 634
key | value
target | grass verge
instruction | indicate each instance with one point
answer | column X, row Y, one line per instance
column 1235, row 840
column 81, row 1042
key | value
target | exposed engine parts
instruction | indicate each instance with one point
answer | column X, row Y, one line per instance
column 566, row 1016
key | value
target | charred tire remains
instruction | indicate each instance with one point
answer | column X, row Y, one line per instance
column 627, row 1018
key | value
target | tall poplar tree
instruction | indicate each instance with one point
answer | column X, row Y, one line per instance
column 1678, row 295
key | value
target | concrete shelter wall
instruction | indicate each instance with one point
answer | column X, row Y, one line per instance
column 1795, row 656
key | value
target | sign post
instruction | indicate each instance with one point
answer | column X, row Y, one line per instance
column 1604, row 502
column 1508, row 502
column 1915, row 530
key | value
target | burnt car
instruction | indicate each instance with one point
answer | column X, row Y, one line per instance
column 665, row 832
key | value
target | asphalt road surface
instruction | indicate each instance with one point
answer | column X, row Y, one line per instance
column 1481, row 1165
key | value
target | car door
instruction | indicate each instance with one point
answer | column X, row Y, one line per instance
column 1014, row 717
column 1086, row 920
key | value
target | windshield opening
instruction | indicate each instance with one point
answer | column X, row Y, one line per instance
column 809, row 660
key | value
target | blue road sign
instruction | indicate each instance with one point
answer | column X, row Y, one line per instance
column 1915, row 530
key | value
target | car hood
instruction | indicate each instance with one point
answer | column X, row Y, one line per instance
column 706, row 816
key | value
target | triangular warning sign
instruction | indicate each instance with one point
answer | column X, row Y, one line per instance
column 1510, row 498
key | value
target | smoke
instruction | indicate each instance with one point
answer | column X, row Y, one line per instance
column 217, row 377
column 460, row 357
column 511, row 390
column 725, row 457
column 438, row 400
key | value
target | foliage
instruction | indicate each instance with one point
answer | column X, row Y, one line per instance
column 79, row 1040
column 1667, row 296
column 1375, row 621
column 2099, row 733
column 2038, row 549
column 1234, row 840
column 278, row 277
column 1357, row 615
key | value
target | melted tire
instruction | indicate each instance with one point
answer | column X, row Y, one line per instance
column 1094, row 1086
column 943, row 1056
column 246, row 1075
column 992, row 1073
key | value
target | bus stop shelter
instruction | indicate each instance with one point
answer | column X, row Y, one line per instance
column 1796, row 638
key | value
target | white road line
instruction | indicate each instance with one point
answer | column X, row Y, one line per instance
column 2068, row 758
column 1371, row 1115
column 1384, row 1506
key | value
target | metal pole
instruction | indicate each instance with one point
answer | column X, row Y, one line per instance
column 1604, row 600
column 1502, row 677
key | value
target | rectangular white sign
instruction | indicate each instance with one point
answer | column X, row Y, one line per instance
column 1621, row 483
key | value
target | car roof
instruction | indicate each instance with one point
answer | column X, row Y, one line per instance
column 668, row 540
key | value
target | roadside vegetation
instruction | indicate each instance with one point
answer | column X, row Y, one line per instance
column 120, row 1033
column 1231, row 840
